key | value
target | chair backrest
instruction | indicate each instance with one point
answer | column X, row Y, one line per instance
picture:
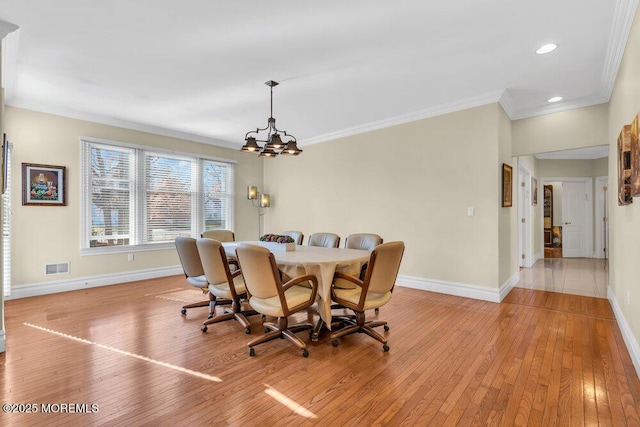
column 214, row 261
column 260, row 272
column 189, row 258
column 219, row 235
column 384, row 265
column 365, row 241
column 327, row 240
column 297, row 236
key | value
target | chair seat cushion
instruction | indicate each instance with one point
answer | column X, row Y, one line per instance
column 197, row 281
column 221, row 290
column 352, row 296
column 295, row 295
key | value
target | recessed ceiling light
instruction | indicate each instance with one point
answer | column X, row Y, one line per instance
column 546, row 48
column 555, row 99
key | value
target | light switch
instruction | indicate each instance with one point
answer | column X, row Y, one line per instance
column 471, row 211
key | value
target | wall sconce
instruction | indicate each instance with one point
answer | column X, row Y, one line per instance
column 264, row 201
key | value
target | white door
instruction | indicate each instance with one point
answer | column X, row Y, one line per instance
column 574, row 206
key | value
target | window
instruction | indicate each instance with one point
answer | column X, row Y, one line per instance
column 6, row 223
column 136, row 196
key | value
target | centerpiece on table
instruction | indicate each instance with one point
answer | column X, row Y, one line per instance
column 276, row 242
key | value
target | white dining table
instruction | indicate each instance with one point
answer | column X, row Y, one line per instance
column 320, row 261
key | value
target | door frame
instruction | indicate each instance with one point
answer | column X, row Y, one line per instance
column 601, row 226
column 524, row 216
column 588, row 214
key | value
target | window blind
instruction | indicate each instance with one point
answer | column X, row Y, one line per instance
column 134, row 197
column 6, row 227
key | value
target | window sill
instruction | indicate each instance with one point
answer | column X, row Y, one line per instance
column 105, row 250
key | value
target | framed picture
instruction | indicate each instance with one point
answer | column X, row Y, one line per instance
column 507, row 180
column 44, row 185
column 534, row 191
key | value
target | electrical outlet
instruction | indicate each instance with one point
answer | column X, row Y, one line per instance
column 471, row 211
column 130, row 257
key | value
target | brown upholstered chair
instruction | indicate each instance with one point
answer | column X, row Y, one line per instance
column 269, row 296
column 219, row 235
column 192, row 267
column 297, row 236
column 372, row 292
column 223, row 284
column 327, row 240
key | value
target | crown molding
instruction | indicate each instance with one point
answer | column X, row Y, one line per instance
column 438, row 110
column 9, row 36
column 586, row 101
column 111, row 121
column 622, row 21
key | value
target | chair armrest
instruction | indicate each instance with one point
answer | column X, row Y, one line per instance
column 352, row 279
column 297, row 280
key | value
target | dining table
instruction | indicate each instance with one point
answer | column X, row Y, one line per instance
column 320, row 261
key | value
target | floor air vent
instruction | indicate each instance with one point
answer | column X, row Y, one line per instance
column 60, row 268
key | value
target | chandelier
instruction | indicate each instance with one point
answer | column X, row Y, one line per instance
column 274, row 143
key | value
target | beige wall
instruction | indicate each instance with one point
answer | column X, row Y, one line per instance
column 411, row 182
column 507, row 240
column 625, row 220
column 44, row 234
column 573, row 168
column 582, row 127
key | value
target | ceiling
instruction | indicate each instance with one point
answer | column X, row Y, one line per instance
column 196, row 69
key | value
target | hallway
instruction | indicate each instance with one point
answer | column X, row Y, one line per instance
column 577, row 276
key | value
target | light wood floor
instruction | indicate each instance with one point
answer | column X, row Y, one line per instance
column 539, row 358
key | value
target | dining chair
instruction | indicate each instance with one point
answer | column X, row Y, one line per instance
column 223, row 284
column 372, row 292
column 327, row 240
column 219, row 235
column 297, row 236
column 222, row 236
column 365, row 241
column 193, row 271
column 269, row 296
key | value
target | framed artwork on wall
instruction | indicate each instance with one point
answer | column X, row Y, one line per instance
column 507, row 184
column 44, row 185
column 534, row 191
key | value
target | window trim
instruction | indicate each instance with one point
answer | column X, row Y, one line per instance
column 198, row 216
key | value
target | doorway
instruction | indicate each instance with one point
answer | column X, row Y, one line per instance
column 572, row 226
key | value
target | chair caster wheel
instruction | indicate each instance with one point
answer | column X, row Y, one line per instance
column 210, row 316
column 334, row 343
column 183, row 311
column 385, row 347
column 386, row 327
column 266, row 330
column 204, row 328
column 247, row 331
column 305, row 353
column 252, row 352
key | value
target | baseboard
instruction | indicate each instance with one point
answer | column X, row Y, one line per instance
column 627, row 334
column 450, row 288
column 537, row 257
column 44, row 288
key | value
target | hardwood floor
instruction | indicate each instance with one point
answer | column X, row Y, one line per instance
column 539, row 358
